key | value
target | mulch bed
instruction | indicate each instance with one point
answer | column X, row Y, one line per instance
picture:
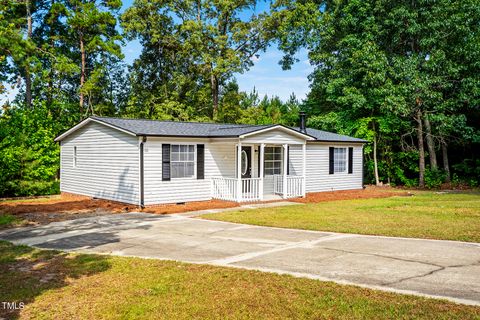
column 67, row 207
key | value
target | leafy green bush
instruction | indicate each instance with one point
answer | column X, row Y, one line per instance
column 32, row 188
column 468, row 172
column 434, row 178
column 29, row 158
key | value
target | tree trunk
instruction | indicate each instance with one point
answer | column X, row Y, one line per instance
column 28, row 77
column 82, row 72
column 421, row 150
column 375, row 162
column 430, row 144
column 52, row 60
column 214, row 87
column 446, row 167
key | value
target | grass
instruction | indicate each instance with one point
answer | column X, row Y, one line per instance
column 9, row 221
column 39, row 199
column 448, row 216
column 55, row 285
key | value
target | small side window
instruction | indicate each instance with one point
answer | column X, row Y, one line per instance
column 340, row 160
column 75, row 156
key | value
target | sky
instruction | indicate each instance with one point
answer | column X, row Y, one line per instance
column 266, row 76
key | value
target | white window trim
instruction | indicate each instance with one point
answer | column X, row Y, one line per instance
column 346, row 160
column 194, row 160
column 272, row 161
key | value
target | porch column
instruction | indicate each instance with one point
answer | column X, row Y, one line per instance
column 285, row 164
column 304, row 169
column 239, row 171
column 261, row 154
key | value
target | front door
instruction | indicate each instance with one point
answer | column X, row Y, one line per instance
column 246, row 165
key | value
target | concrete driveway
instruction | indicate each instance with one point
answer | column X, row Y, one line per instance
column 445, row 269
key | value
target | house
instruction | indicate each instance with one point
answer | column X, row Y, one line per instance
column 149, row 162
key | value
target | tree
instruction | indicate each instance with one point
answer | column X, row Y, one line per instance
column 208, row 39
column 379, row 60
column 16, row 43
column 92, row 25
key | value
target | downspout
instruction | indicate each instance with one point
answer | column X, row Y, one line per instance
column 363, row 167
column 142, row 173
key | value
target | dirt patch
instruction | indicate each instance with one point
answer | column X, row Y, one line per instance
column 190, row 206
column 367, row 193
column 67, row 207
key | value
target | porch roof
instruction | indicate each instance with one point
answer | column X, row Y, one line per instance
column 144, row 127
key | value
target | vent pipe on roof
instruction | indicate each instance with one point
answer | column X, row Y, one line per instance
column 302, row 125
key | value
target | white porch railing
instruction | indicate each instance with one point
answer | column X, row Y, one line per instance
column 226, row 189
column 251, row 189
column 294, row 186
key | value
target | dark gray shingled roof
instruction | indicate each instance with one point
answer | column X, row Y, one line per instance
column 321, row 135
column 143, row 127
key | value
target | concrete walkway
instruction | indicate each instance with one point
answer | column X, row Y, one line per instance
column 445, row 269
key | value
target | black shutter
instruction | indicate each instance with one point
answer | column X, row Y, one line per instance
column 350, row 160
column 288, row 160
column 200, row 161
column 330, row 160
column 165, row 162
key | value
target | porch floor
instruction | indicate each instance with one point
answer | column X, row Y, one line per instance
column 271, row 197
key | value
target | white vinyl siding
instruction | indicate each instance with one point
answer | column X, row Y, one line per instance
column 104, row 165
column 318, row 177
column 295, row 162
column 276, row 136
column 219, row 161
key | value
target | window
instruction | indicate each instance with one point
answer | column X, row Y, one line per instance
column 182, row 161
column 244, row 162
column 340, row 160
column 273, row 160
column 75, row 156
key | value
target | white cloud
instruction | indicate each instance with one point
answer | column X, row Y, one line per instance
column 255, row 58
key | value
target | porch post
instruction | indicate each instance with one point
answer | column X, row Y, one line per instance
column 260, row 171
column 304, row 169
column 285, row 164
column 239, row 171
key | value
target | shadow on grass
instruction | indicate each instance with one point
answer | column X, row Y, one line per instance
column 26, row 273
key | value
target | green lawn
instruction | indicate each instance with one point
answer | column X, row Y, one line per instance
column 55, row 285
column 451, row 216
column 9, row 221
